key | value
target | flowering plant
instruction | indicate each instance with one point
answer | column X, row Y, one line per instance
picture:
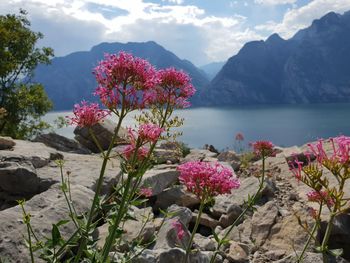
column 325, row 194
column 125, row 83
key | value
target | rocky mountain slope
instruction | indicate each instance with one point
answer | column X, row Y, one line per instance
column 311, row 67
column 271, row 233
column 69, row 79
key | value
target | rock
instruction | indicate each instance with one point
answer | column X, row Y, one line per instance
column 61, row 143
column 139, row 229
column 287, row 234
column 104, row 133
column 176, row 194
column 238, row 252
column 224, row 204
column 147, row 256
column 46, row 209
column 182, row 213
column 230, row 157
column 204, row 243
column 293, row 153
column 6, row 143
column 167, row 236
column 205, row 220
column 211, row 148
column 240, row 233
column 171, row 156
column 37, row 153
column 18, row 178
column 232, row 214
column 310, row 257
column 200, row 155
column 340, row 234
column 177, row 255
column 262, row 222
column 159, row 178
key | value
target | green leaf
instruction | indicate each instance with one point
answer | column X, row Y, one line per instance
column 336, row 252
column 216, row 237
column 56, row 235
column 62, row 222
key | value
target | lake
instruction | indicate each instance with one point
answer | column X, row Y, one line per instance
column 284, row 125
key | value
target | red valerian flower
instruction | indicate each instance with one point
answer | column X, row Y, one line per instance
column 320, row 196
column 146, row 191
column 263, row 148
column 174, row 88
column 87, row 115
column 124, row 78
column 206, row 179
column 129, row 152
column 180, row 232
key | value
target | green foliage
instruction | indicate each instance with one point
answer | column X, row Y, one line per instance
column 24, row 102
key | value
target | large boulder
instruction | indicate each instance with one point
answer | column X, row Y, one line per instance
column 45, row 209
column 104, row 132
column 61, row 143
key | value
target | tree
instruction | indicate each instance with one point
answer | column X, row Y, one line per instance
column 23, row 101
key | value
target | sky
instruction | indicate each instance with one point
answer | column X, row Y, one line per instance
column 202, row 31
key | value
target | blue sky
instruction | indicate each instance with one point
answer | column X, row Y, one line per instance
column 201, row 31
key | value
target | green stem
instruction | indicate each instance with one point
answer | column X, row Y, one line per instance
column 72, row 215
column 111, row 236
column 251, row 202
column 27, row 222
column 189, row 246
column 99, row 186
column 311, row 235
column 324, row 246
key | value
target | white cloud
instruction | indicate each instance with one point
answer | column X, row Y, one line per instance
column 187, row 30
column 179, row 2
column 298, row 18
column 275, row 2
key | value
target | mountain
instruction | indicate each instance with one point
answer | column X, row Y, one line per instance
column 212, row 69
column 311, row 67
column 68, row 80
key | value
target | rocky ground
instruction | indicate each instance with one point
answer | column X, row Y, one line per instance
column 270, row 233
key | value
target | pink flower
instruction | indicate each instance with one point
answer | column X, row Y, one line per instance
column 263, row 148
column 148, row 192
column 174, row 88
column 149, row 132
column 129, row 151
column 296, row 167
column 320, row 196
column 340, row 147
column 124, row 77
column 87, row 115
column 207, row 179
column 180, row 232
column 239, row 137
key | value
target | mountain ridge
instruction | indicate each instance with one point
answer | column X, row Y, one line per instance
column 310, row 67
column 69, row 79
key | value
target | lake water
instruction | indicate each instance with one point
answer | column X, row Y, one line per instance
column 284, row 125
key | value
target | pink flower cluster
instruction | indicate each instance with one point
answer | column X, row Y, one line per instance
column 320, row 196
column 263, row 148
column 340, row 146
column 134, row 79
column 87, row 115
column 180, row 232
column 174, row 88
column 126, row 79
column 146, row 191
column 206, row 179
column 129, row 151
column 149, row 132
